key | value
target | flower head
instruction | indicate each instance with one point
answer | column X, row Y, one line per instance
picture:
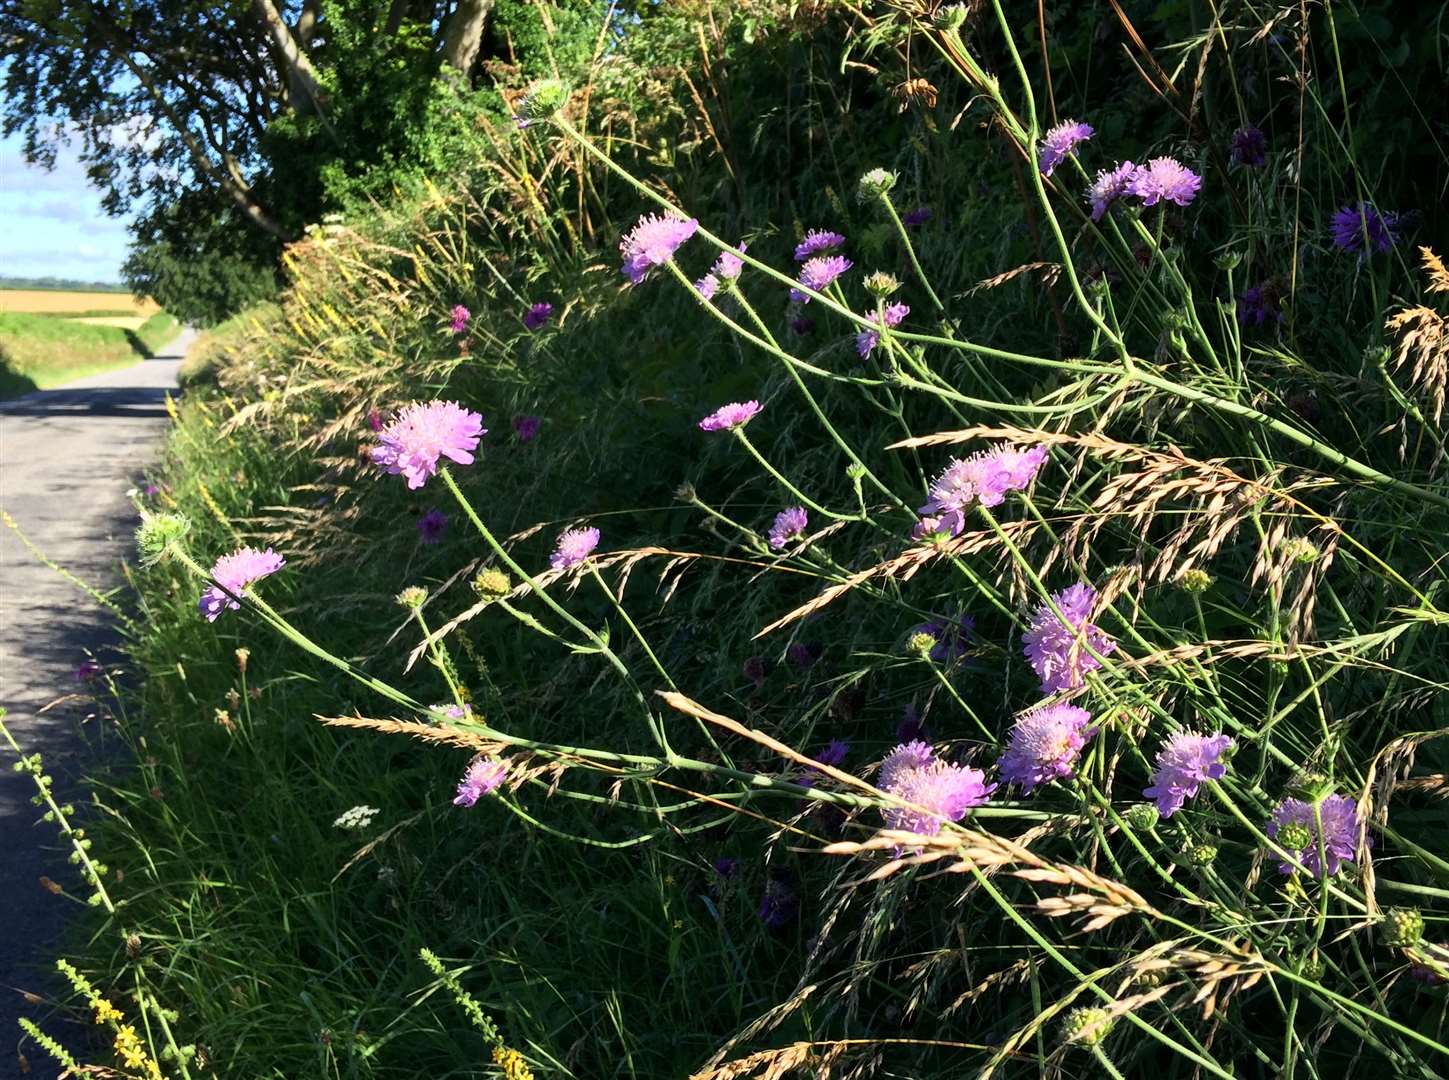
column 874, row 184
column 526, row 427
column 729, row 417
column 1184, row 762
column 831, row 754
column 819, row 272
column 483, row 776
column 234, row 573
column 1045, row 744
column 87, row 670
column 913, row 219
column 1260, row 304
column 536, row 316
column 1352, row 224
column 460, row 315
column 778, row 904
column 574, row 546
column 940, row 792
column 1250, row 147
column 949, row 637
column 421, row 433
column 1339, row 834
column 652, row 242
column 910, row 727
column 729, row 265
column 790, row 524
column 1059, row 651
column 432, row 526
column 984, row 477
column 816, row 241
column 867, row 340
column 1110, row 185
column 707, row 286
column 1060, row 141
column 1164, row 178
column 804, row 654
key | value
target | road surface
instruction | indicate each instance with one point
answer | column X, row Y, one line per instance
column 67, row 457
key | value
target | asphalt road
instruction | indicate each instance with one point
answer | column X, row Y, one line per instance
column 67, row 457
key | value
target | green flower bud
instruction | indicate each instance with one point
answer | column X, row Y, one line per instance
column 685, row 492
column 544, row 98
column 951, row 17
column 492, row 584
column 1300, row 550
column 875, row 184
column 1142, row 815
column 881, row 284
column 1087, row 1027
column 1312, row 966
column 1403, row 927
column 856, row 471
column 921, row 643
column 1229, row 260
column 159, row 534
column 1294, row 836
column 1311, row 786
column 1202, row 854
column 413, row 597
column 1194, row 581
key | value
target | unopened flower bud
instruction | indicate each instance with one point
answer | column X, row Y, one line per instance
column 544, row 98
column 1202, row 854
column 685, row 492
column 1087, row 1027
column 1194, row 581
column 875, row 184
column 492, row 584
column 158, row 534
column 1229, row 260
column 1312, row 966
column 1311, row 786
column 1403, row 927
column 881, row 284
column 1294, row 836
column 951, row 17
column 242, row 656
column 921, row 643
column 413, row 597
column 1142, row 815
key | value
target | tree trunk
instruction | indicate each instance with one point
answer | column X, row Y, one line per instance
column 464, row 34
column 304, row 93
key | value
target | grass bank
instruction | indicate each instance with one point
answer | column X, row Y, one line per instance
column 39, row 351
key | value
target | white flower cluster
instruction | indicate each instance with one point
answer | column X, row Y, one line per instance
column 359, row 817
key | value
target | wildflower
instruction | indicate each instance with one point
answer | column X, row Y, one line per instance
column 86, row 670
column 1045, row 744
column 816, row 241
column 1087, row 1026
column 1427, row 975
column 432, row 526
column 951, row 17
column 1250, row 147
column 461, row 315
column 1184, row 762
column 234, row 573
column 984, row 477
column 526, row 427
column 159, row 534
column 879, row 283
column 359, row 817
column 920, row 643
column 1057, row 649
column 1339, row 833
column 1194, row 581
column 374, row 419
column 804, row 655
column 537, row 315
column 725, row 866
column 729, row 265
column 511, row 1063
column 483, row 776
column 1060, row 141
column 652, row 242
column 912, row 219
column 832, row 754
column 414, row 596
column 707, row 286
column 948, row 637
column 574, row 546
column 942, row 792
column 819, row 272
column 544, row 98
column 867, row 340
column 1352, row 224
column 755, row 669
column 454, row 711
column 1109, row 186
column 936, row 527
column 421, row 433
column 1143, row 815
column 1403, row 928
column 1164, row 178
column 729, row 417
column 790, row 524
column 802, row 326
column 105, row 1011
column 492, row 584
column 910, row 728
column 1260, row 304
column 778, row 905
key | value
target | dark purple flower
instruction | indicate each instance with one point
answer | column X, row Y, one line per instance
column 1425, row 974
column 234, row 573
column 483, row 776
column 1340, row 832
column 867, row 340
column 1352, row 224
column 911, row 727
column 574, row 546
column 725, row 866
column 819, row 272
column 461, row 315
column 1260, row 304
column 804, row 655
column 420, row 434
column 1110, row 185
column 537, row 315
column 755, row 669
column 1045, row 744
column 790, row 524
column 1250, row 147
column 526, row 427
column 913, row 219
column 1185, row 761
column 832, row 754
column 1060, row 141
column 1057, row 650
column 941, row 792
column 87, row 670
column 802, row 326
column 652, row 242
column 729, row 417
column 432, row 526
column 1164, row 178
column 816, row 241
column 778, row 905
column 374, row 419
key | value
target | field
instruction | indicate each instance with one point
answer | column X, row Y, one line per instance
column 57, row 302
column 42, row 350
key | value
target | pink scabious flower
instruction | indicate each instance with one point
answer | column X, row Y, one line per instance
column 432, row 526
column 984, row 477
column 461, row 315
column 574, row 546
column 790, row 524
column 1057, row 650
column 728, row 266
column 526, row 427
column 819, row 272
column 816, row 241
column 536, row 316
column 1340, row 832
column 652, row 242
column 1109, row 186
column 940, row 792
column 421, row 433
column 483, row 776
column 1045, row 745
column 1060, row 141
column 707, row 286
column 1184, row 762
column 1352, row 223
column 1164, row 178
column 867, row 340
column 234, row 573
column 729, row 417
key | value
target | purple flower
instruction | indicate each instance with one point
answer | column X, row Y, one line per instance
column 432, row 526
column 87, row 670
column 819, row 272
column 483, row 776
column 911, row 727
column 707, row 286
column 1060, row 141
column 940, row 791
column 526, row 427
column 454, row 711
column 804, row 655
column 234, row 573
column 1045, row 744
column 933, row 525
column 1109, row 186
column 1184, row 762
column 802, row 326
column 915, row 218
column 1260, row 304
column 778, row 905
column 790, row 524
column 1164, row 178
column 652, row 242
column 725, row 866
column 152, row 489
column 729, row 417
column 1057, row 650
column 1341, row 829
column 1250, row 147
column 421, row 433
column 984, row 477
column 535, row 317
column 832, row 754
column 755, row 669
column 867, row 340
column 374, row 419
column 951, row 636
column 1353, row 223
column 816, row 241
column 574, row 546
column 461, row 315
column 728, row 266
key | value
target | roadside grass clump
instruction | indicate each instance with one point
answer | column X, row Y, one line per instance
column 1019, row 653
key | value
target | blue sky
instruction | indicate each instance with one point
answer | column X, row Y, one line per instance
column 51, row 223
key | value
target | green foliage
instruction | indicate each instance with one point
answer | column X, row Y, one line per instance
column 41, row 351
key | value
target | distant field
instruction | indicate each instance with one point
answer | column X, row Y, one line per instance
column 39, row 350
column 50, row 302
column 125, row 322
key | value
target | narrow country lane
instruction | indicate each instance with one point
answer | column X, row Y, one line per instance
column 67, row 457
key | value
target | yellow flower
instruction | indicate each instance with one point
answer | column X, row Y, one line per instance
column 106, row 1011
column 512, row 1064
